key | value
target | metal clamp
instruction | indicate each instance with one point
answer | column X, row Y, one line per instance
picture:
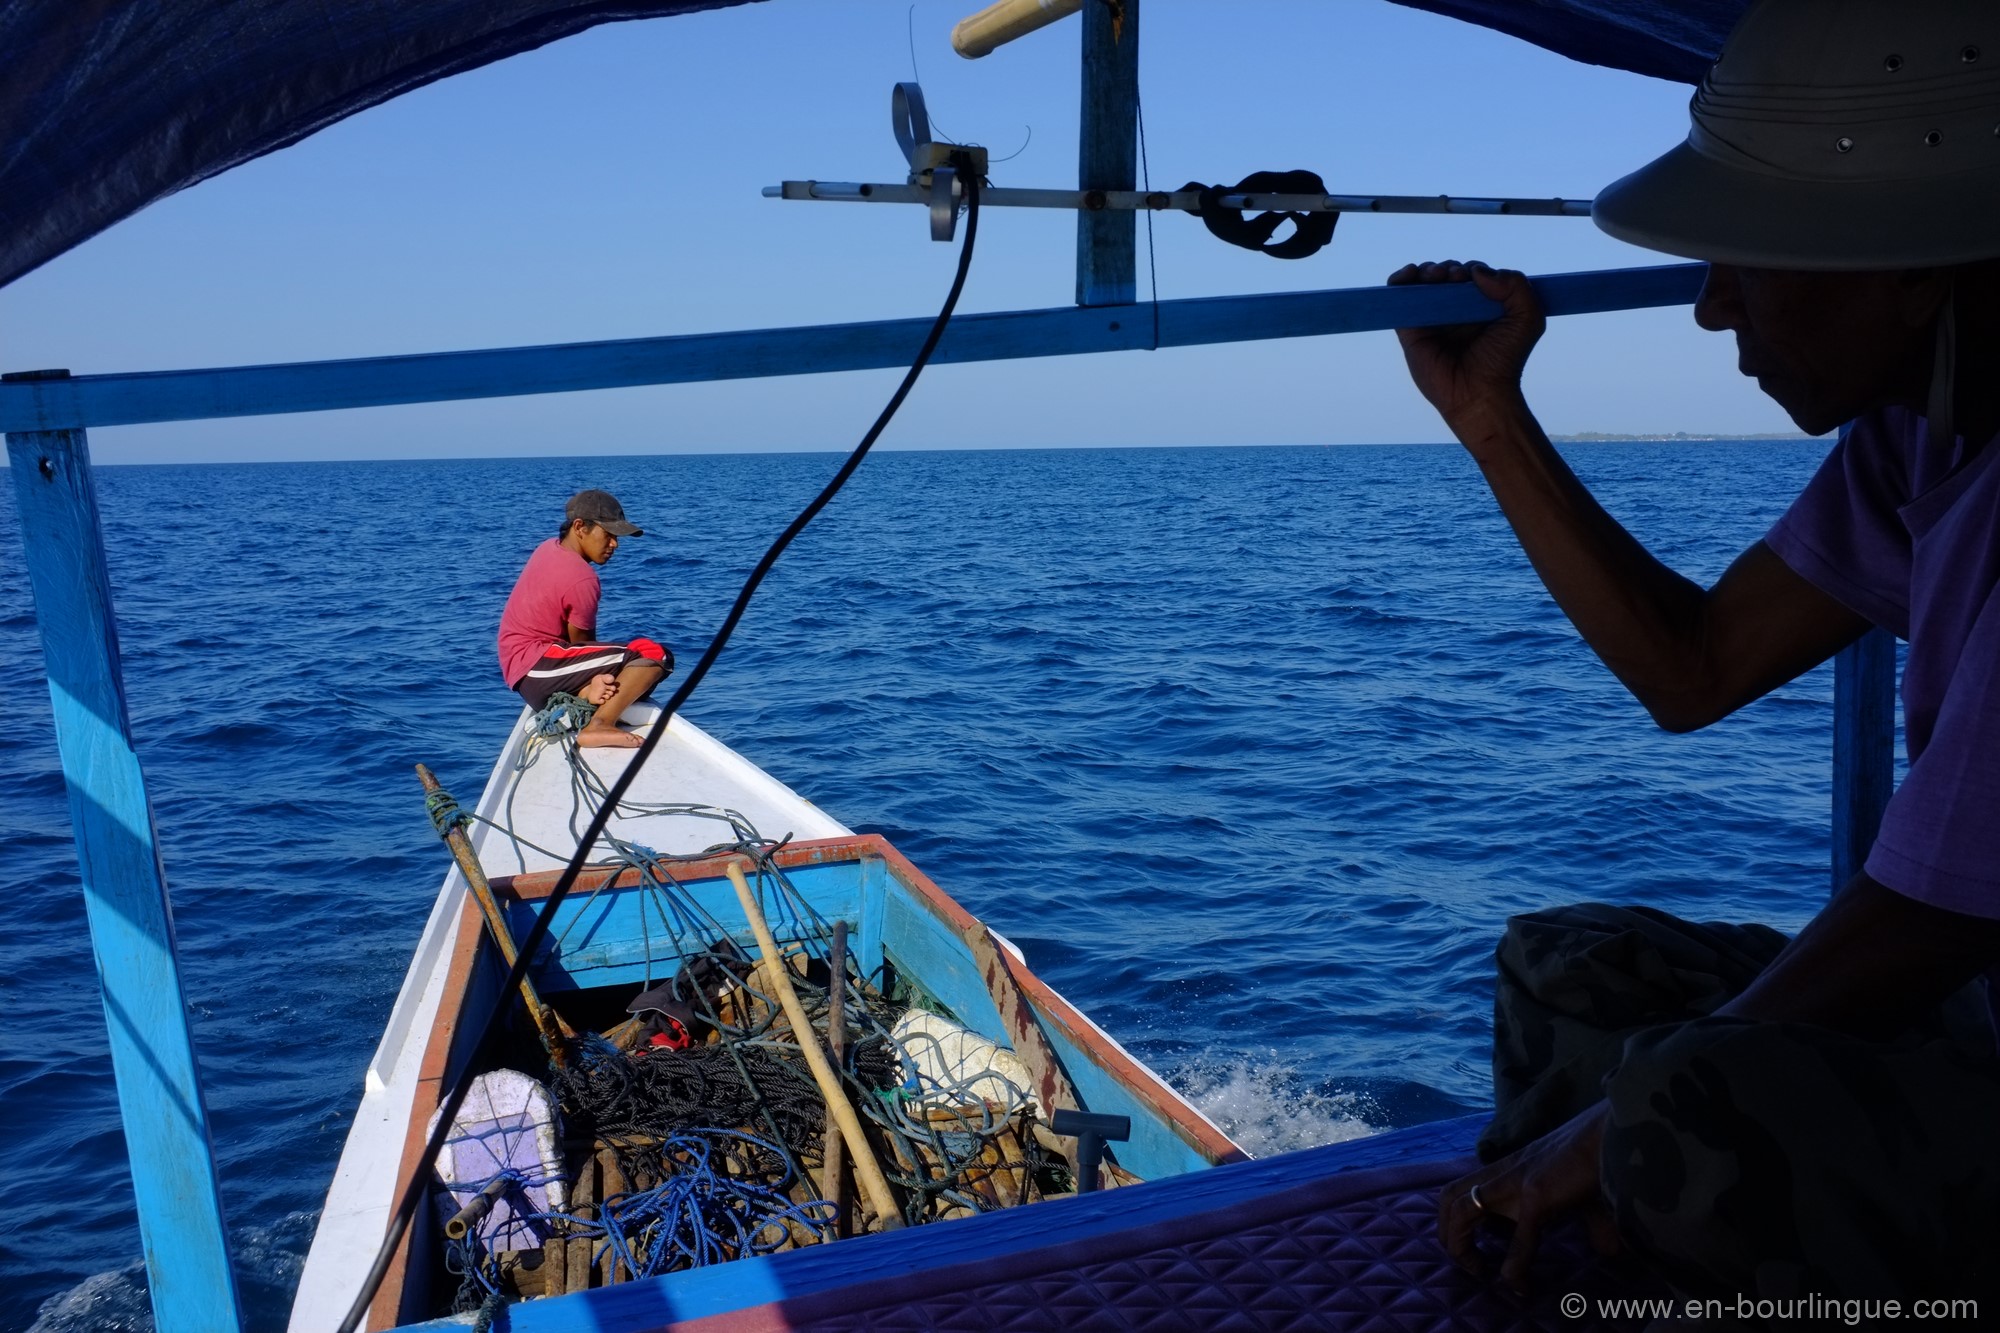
column 934, row 166
column 944, row 203
column 913, row 127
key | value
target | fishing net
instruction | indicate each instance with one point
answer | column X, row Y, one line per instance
column 713, row 1147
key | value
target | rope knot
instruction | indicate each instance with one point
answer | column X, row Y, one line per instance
column 443, row 808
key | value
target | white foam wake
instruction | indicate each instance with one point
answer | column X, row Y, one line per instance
column 1267, row 1107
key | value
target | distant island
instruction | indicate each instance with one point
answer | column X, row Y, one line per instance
column 1612, row 437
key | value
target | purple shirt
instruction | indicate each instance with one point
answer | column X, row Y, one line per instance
column 1909, row 536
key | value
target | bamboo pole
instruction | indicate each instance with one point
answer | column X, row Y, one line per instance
column 833, row 1177
column 554, row 1032
column 866, row 1169
column 1006, row 21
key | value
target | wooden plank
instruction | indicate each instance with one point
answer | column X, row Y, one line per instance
column 124, row 890
column 611, row 1181
column 1022, row 1030
column 321, row 386
column 1864, row 748
column 583, row 1206
column 1108, row 153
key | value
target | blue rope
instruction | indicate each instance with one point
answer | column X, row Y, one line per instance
column 562, row 714
column 444, row 812
column 702, row 1214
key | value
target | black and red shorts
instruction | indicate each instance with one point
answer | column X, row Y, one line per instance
column 567, row 668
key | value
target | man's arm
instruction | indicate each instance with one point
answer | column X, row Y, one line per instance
column 1872, row 963
column 580, row 633
column 1690, row 655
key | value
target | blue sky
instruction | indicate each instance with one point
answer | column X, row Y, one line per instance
column 608, row 186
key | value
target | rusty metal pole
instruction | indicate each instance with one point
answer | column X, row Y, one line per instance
column 470, row 1216
column 553, row 1031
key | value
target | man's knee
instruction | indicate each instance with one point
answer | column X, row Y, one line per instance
column 1695, row 1164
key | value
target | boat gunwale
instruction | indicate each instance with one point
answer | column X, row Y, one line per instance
column 386, row 1310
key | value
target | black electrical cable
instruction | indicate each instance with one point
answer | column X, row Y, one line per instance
column 413, row 1190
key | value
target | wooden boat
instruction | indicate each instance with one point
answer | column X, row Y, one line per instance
column 906, row 933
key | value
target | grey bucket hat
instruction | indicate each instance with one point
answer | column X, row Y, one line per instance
column 1833, row 134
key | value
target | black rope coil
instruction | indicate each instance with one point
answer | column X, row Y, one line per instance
column 661, row 1092
column 1310, row 231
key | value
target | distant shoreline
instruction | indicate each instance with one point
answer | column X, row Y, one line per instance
column 1668, row 437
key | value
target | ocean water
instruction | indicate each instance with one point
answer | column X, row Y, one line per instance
column 1250, row 749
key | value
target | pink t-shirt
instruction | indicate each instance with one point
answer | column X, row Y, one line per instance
column 558, row 586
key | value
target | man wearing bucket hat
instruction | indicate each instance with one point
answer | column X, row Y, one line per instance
column 1812, row 1118
column 548, row 630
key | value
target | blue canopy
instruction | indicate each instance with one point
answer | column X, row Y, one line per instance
column 108, row 105
column 1668, row 39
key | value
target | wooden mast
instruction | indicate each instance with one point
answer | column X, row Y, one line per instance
column 1107, row 153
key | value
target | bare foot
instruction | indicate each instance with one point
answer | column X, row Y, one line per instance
column 608, row 738
column 600, row 690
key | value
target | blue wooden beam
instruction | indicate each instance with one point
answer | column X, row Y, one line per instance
column 1107, row 153
column 1864, row 747
column 124, row 890
column 319, row 386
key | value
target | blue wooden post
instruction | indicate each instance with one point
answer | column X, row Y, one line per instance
column 1864, row 747
column 1108, row 153
column 124, row 888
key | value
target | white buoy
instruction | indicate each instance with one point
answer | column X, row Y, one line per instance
column 998, row 24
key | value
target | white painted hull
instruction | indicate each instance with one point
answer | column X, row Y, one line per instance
column 690, row 766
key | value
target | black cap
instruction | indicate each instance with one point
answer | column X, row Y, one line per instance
column 603, row 509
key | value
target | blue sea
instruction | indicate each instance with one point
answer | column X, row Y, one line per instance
column 1250, row 749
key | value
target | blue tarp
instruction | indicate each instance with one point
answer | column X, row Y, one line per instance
column 108, row 105
column 1668, row 39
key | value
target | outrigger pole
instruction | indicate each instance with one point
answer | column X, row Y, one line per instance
column 994, row 196
column 46, row 415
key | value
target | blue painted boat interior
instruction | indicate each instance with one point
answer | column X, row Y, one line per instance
column 621, row 937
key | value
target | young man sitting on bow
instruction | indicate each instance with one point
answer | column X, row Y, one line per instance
column 548, row 631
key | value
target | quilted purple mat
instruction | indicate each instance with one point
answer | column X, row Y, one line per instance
column 1353, row 1252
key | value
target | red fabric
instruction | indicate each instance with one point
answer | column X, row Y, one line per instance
column 647, row 648
column 557, row 587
